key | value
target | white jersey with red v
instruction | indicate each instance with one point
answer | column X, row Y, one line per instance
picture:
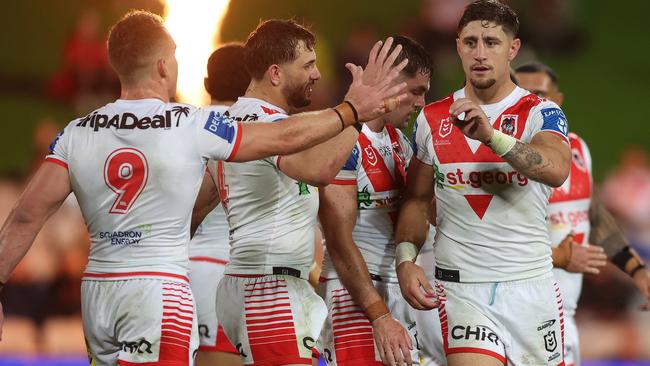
column 491, row 218
column 568, row 211
column 135, row 167
column 377, row 167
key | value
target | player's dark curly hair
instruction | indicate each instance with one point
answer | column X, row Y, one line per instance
column 275, row 42
column 227, row 76
column 419, row 59
column 490, row 11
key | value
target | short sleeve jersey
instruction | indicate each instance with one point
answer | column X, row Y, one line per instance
column 568, row 211
column 491, row 218
column 272, row 217
column 135, row 167
column 211, row 237
column 377, row 167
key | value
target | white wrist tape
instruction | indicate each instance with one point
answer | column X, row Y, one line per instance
column 405, row 251
column 501, row 143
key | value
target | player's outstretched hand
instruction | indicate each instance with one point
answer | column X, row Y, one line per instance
column 415, row 287
column 393, row 341
column 471, row 120
column 373, row 91
column 642, row 281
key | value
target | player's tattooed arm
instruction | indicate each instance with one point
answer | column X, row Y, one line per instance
column 604, row 229
column 546, row 159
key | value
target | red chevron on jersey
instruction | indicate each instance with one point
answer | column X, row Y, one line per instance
column 451, row 145
column 269, row 111
column 479, row 203
column 580, row 185
column 375, row 166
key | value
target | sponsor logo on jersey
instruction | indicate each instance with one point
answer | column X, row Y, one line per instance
column 122, row 237
column 220, row 125
column 445, row 127
column 546, row 324
column 141, row 346
column 127, row 121
column 509, row 124
column 56, row 139
column 477, row 333
column 303, row 188
column 572, row 218
column 204, row 331
column 555, row 120
column 478, row 179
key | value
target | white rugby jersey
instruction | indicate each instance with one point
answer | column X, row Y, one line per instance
column 377, row 166
column 491, row 218
column 272, row 217
column 135, row 167
column 210, row 241
column 568, row 211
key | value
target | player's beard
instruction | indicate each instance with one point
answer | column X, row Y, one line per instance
column 299, row 96
column 482, row 83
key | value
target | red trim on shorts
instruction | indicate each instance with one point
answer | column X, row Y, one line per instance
column 222, row 344
column 209, row 259
column 135, row 274
column 246, row 275
column 344, row 182
column 156, row 363
column 57, row 161
column 451, row 351
column 237, row 142
column 283, row 361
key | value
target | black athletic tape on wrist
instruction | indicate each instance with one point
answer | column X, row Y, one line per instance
column 636, row 269
column 621, row 258
column 358, row 126
column 340, row 118
column 354, row 110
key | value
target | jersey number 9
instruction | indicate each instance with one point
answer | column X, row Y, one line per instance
column 125, row 172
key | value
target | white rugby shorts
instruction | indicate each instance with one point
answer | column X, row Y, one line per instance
column 516, row 322
column 139, row 320
column 271, row 319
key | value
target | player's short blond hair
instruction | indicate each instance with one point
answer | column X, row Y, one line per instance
column 135, row 41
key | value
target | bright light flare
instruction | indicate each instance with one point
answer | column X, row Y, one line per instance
column 194, row 25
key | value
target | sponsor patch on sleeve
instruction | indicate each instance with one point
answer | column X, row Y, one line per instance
column 351, row 163
column 56, row 139
column 554, row 120
column 221, row 126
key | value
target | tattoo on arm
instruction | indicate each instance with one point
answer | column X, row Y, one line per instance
column 527, row 160
column 604, row 230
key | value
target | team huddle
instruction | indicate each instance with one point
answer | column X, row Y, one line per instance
column 206, row 223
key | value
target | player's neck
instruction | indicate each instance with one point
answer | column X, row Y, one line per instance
column 267, row 94
column 144, row 91
column 491, row 95
column 376, row 125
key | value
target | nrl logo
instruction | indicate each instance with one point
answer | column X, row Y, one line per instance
column 445, row 127
column 550, row 341
column 370, row 154
column 509, row 124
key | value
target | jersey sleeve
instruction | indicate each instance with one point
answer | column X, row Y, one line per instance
column 60, row 148
column 548, row 117
column 218, row 136
column 422, row 139
column 348, row 174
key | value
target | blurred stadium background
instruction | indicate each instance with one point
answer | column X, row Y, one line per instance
column 54, row 68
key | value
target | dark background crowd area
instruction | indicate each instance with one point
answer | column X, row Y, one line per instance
column 54, row 68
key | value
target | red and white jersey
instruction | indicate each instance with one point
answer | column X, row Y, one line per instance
column 377, row 166
column 210, row 241
column 491, row 219
column 135, row 167
column 272, row 217
column 568, row 211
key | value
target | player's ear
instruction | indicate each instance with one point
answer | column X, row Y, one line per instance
column 205, row 83
column 161, row 67
column 274, row 73
column 514, row 49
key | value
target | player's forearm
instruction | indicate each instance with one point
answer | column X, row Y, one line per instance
column 540, row 163
column 412, row 222
column 604, row 230
column 16, row 237
column 319, row 165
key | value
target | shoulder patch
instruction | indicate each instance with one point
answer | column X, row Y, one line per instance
column 352, row 162
column 221, row 126
column 554, row 120
column 56, row 139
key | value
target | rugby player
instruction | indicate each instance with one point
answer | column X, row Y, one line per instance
column 491, row 152
column 368, row 318
column 576, row 218
column 269, row 310
column 135, row 166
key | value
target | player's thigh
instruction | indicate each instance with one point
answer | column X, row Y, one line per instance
column 207, row 358
column 204, row 279
column 430, row 338
column 274, row 318
column 346, row 337
column 474, row 359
